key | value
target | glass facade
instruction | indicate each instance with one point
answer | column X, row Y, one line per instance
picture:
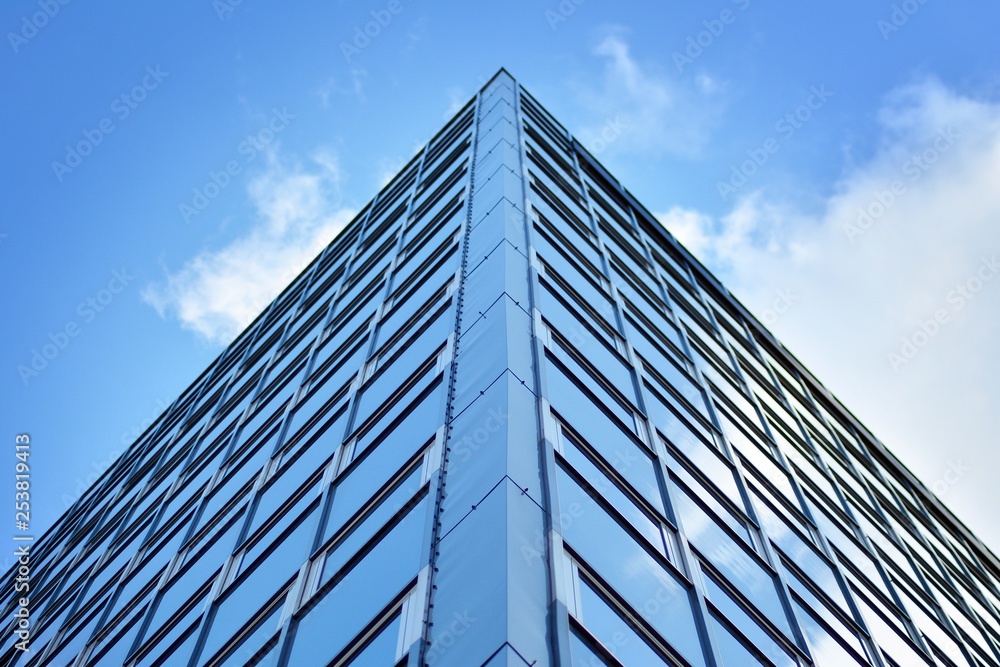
column 505, row 419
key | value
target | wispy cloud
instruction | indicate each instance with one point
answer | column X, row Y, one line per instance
column 218, row 292
column 884, row 255
column 336, row 86
column 664, row 113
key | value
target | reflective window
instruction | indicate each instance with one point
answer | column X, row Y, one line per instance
column 242, row 604
column 616, row 634
column 647, row 585
column 353, row 597
column 380, row 650
column 614, row 497
column 355, row 535
column 745, row 572
column 825, row 648
column 737, row 615
column 733, row 651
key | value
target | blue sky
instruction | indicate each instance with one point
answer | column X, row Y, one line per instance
column 169, row 166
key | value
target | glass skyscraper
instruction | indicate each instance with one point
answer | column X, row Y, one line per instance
column 505, row 419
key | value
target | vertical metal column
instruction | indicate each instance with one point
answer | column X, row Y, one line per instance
column 490, row 587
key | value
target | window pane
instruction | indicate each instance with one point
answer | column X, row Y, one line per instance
column 377, row 517
column 369, row 586
column 238, row 607
column 355, row 489
column 617, row 636
column 616, row 446
column 826, row 650
column 251, row 644
column 614, row 497
column 381, row 651
column 659, row 596
column 733, row 651
column 746, row 574
column 736, row 615
column 582, row 654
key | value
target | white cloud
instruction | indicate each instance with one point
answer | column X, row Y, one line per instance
column 873, row 268
column 336, row 87
column 659, row 113
column 219, row 292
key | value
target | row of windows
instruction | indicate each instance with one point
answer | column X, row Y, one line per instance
column 790, row 444
column 164, row 493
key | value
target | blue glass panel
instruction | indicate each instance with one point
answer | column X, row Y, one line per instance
column 582, row 653
column 608, row 365
column 614, row 633
column 373, row 398
column 243, row 600
column 820, row 609
column 250, row 644
column 566, row 363
column 703, row 492
column 563, row 386
column 376, row 518
column 290, row 481
column 177, row 595
column 619, row 450
column 674, row 419
column 440, row 317
column 288, row 550
column 423, row 414
column 736, row 615
column 554, row 305
column 393, row 321
column 732, row 651
column 826, row 651
column 654, row 592
column 712, row 465
column 613, row 495
column 174, row 648
column 380, row 651
column 112, row 649
column 339, row 614
column 727, row 555
column 800, row 552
